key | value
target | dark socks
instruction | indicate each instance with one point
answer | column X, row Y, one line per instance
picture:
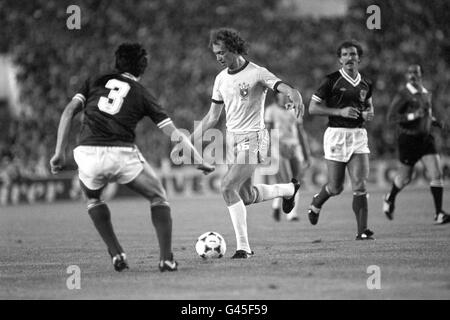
column 393, row 193
column 361, row 211
column 437, row 197
column 321, row 197
column 162, row 222
column 101, row 217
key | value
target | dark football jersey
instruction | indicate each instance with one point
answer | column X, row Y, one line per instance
column 407, row 101
column 113, row 104
column 338, row 90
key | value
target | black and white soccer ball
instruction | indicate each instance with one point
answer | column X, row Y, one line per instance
column 211, row 245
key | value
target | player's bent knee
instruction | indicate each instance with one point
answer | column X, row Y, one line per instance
column 437, row 182
column 92, row 203
column 335, row 190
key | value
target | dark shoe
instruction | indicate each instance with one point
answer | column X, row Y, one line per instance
column 276, row 214
column 119, row 262
column 388, row 207
column 289, row 204
column 168, row 265
column 366, row 235
column 242, row 254
column 313, row 212
column 442, row 218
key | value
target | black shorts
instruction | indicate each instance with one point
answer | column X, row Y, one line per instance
column 413, row 147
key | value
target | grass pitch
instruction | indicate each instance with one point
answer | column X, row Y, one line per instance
column 294, row 260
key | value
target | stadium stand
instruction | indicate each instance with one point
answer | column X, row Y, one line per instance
column 182, row 68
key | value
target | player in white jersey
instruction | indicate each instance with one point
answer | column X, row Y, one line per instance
column 241, row 88
column 294, row 152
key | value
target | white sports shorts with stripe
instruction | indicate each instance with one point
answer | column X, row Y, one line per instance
column 99, row 165
column 247, row 148
column 339, row 144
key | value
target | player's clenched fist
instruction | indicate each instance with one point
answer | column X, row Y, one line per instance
column 57, row 163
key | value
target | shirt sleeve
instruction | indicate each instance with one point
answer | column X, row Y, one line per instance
column 216, row 95
column 268, row 79
column 369, row 94
column 155, row 111
column 82, row 93
column 324, row 91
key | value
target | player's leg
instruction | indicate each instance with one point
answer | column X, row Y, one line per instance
column 401, row 180
column 432, row 164
column 236, row 176
column 334, row 186
column 410, row 151
column 148, row 185
column 358, row 169
column 101, row 216
column 296, row 169
column 282, row 175
column 92, row 172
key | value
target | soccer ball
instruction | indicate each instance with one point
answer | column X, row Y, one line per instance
column 211, row 245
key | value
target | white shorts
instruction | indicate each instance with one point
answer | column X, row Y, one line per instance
column 98, row 165
column 247, row 148
column 339, row 144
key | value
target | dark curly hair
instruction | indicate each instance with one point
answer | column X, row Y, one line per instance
column 132, row 58
column 349, row 44
column 231, row 39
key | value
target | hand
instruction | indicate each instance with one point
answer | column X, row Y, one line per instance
column 296, row 103
column 349, row 112
column 57, row 163
column 367, row 115
column 206, row 168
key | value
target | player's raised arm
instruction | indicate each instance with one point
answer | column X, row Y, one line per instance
column 294, row 97
column 171, row 131
column 72, row 108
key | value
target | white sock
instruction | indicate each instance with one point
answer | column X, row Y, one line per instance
column 238, row 214
column 276, row 203
column 271, row 191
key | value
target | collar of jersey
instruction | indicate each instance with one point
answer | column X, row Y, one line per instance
column 353, row 82
column 240, row 69
column 129, row 76
column 413, row 90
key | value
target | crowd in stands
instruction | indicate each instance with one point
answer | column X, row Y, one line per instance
column 54, row 61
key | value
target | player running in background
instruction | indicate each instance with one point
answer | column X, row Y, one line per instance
column 112, row 105
column 294, row 153
column 411, row 111
column 241, row 89
column 345, row 96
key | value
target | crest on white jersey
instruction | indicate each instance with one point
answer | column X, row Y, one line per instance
column 244, row 89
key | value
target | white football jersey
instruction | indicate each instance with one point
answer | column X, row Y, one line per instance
column 244, row 92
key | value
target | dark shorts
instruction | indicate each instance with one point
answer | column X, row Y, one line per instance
column 413, row 147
